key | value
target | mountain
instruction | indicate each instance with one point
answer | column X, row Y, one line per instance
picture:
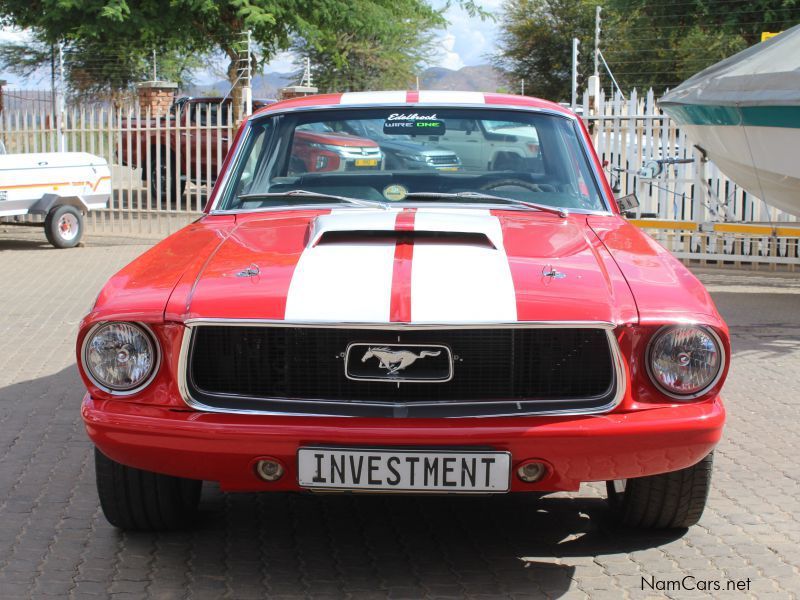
column 480, row 78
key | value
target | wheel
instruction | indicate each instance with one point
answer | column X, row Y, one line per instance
column 667, row 501
column 507, row 161
column 63, row 226
column 162, row 186
column 137, row 500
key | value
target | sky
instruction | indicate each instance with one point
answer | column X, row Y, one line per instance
column 466, row 41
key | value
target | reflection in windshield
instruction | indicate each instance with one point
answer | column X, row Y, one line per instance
column 384, row 154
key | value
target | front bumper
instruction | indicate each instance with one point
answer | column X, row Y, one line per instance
column 223, row 447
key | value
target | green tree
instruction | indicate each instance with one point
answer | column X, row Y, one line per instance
column 647, row 43
column 199, row 26
column 95, row 70
column 535, row 44
column 376, row 45
column 660, row 44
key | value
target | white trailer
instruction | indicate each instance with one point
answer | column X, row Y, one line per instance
column 62, row 186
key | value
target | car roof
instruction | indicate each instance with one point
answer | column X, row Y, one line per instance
column 414, row 98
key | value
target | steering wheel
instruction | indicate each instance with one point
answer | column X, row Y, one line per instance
column 520, row 183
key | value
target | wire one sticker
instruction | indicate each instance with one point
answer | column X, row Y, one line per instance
column 413, row 124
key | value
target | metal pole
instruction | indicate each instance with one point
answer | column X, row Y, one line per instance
column 597, row 41
column 522, row 87
column 575, row 43
column 53, row 92
column 62, row 146
column 248, row 86
column 155, row 71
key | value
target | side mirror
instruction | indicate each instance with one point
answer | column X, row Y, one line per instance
column 628, row 203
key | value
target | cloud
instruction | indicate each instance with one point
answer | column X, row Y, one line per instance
column 447, row 57
column 466, row 40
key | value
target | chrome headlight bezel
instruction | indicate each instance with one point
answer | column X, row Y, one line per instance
column 666, row 329
column 152, row 340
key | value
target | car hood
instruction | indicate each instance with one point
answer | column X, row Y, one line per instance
column 426, row 265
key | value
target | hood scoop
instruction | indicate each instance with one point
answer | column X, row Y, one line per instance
column 461, row 238
column 452, row 228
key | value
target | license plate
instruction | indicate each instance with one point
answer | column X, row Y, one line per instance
column 366, row 162
column 3, row 195
column 403, row 470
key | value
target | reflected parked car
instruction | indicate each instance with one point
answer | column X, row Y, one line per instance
column 405, row 152
column 315, row 149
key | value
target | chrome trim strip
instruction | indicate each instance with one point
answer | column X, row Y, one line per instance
column 686, row 397
column 132, row 391
column 403, row 204
column 620, row 378
column 402, row 326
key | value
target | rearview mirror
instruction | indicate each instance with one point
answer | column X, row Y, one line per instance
column 628, row 203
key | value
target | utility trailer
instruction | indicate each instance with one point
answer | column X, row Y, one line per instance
column 62, row 186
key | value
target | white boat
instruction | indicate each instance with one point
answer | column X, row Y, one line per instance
column 744, row 112
column 62, row 186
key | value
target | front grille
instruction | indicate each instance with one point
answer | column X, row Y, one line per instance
column 495, row 371
column 443, row 159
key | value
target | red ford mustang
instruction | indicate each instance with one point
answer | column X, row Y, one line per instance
column 496, row 328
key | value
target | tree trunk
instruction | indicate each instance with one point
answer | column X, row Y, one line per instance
column 236, row 87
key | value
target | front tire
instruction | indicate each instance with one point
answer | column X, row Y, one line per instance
column 162, row 178
column 137, row 500
column 666, row 501
column 63, row 226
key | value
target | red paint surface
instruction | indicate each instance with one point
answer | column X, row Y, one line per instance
column 614, row 273
column 218, row 447
column 400, row 307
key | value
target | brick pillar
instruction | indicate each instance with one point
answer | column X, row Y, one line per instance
column 295, row 91
column 156, row 96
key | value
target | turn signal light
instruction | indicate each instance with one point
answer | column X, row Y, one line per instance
column 269, row 470
column 532, row 471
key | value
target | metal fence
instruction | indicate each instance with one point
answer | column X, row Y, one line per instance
column 691, row 207
column 628, row 133
column 162, row 169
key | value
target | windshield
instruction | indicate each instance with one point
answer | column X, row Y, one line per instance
column 409, row 154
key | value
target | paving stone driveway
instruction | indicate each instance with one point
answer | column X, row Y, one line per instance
column 55, row 541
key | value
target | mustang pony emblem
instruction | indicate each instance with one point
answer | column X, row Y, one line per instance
column 396, row 360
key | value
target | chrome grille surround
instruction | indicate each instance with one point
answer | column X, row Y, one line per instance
column 619, row 375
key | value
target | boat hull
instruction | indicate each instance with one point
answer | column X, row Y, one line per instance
column 762, row 160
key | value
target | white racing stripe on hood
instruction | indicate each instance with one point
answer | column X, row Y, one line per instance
column 344, row 282
column 459, row 282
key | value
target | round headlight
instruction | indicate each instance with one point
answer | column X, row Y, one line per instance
column 684, row 360
column 120, row 356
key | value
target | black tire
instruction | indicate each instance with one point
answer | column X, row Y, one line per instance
column 63, row 226
column 162, row 187
column 137, row 500
column 507, row 161
column 667, row 501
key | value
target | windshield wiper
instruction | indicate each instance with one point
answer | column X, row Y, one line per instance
column 561, row 212
column 315, row 195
